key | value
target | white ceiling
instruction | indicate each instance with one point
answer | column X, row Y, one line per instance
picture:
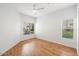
column 27, row 8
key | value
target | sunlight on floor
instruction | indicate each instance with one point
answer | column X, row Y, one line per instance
column 27, row 48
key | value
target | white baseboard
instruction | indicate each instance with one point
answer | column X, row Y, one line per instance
column 55, row 42
column 10, row 47
column 15, row 44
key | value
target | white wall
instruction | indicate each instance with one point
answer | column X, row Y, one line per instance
column 9, row 27
column 78, row 28
column 49, row 27
column 27, row 19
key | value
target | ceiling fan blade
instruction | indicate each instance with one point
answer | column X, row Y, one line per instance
column 40, row 8
column 34, row 6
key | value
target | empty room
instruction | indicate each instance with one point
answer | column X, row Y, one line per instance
column 38, row 29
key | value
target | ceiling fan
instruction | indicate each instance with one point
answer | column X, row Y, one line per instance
column 36, row 8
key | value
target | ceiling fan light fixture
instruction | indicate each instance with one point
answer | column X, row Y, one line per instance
column 34, row 11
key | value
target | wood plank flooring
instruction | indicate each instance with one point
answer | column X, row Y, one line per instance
column 37, row 47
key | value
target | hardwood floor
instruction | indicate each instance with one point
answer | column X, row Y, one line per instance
column 37, row 47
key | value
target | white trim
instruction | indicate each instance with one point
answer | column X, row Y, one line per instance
column 77, row 30
column 10, row 47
